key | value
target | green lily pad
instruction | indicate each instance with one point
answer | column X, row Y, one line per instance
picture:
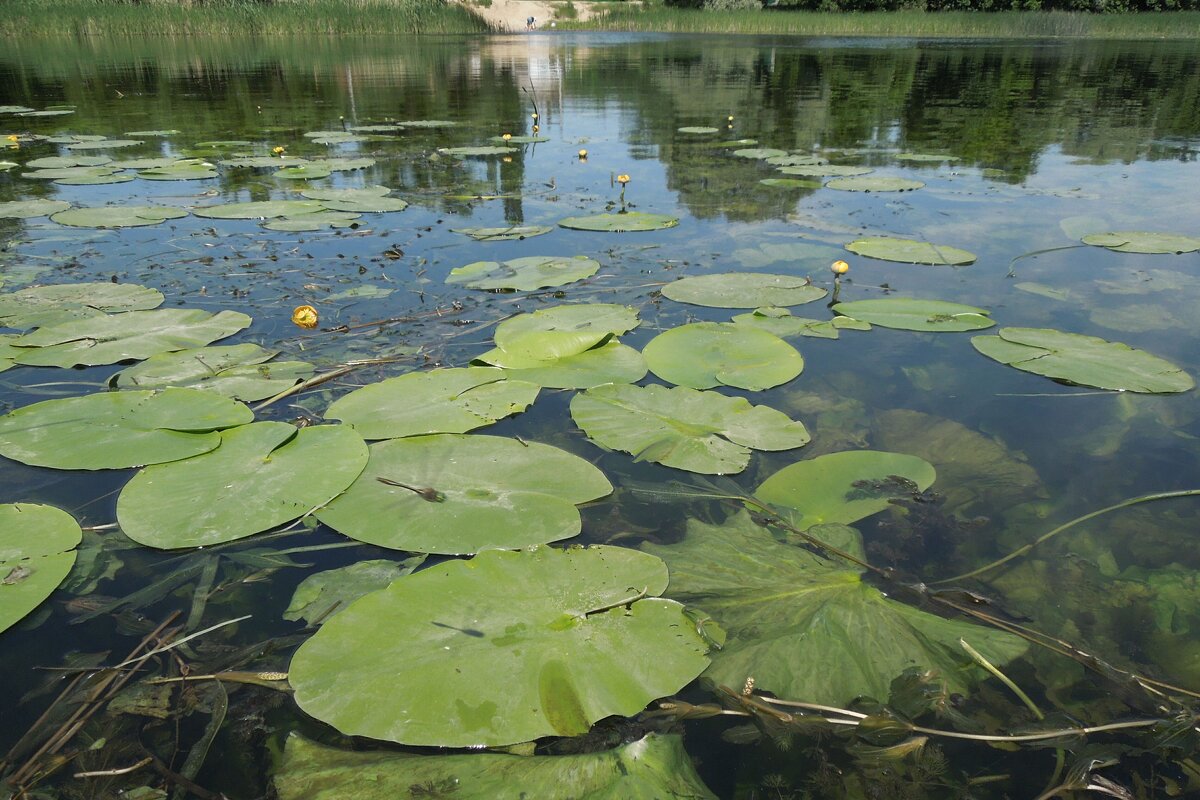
column 824, row 170
column 95, row 180
column 42, row 306
column 117, row 216
column 371, row 199
column 844, row 487
column 483, row 150
column 60, row 112
column 259, row 209
column 698, row 130
column 468, row 493
column 337, row 137
column 524, row 274
column 912, row 314
column 264, row 162
column 620, row 223
column 104, row 144
column 503, row 234
column 37, row 551
column 519, row 140
column 10, row 109
column 133, row 334
column 759, row 153
column 1083, row 360
column 280, row 473
column 7, row 351
column 239, row 371
column 734, row 143
column 77, row 173
column 708, row 354
column 810, row 629
column 427, row 123
column 168, row 132
column 743, row 290
column 24, row 209
column 323, row 594
column 791, row 183
column 302, row 172
column 573, row 636
column 780, row 322
column 795, row 160
column 318, row 221
column 873, row 183
column 224, row 144
column 924, row 158
column 344, row 163
column 1144, row 242
column 654, row 767
column 611, row 362
column 367, row 292
column 910, row 251
column 438, row 401
column 679, row 427
column 66, row 162
column 560, row 331
column 5, row 166
column 114, row 430
column 391, row 127
column 186, row 170
column 147, row 163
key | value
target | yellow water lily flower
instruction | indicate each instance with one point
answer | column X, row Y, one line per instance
column 278, row 150
column 622, row 179
column 839, row 268
column 583, row 154
column 506, row 136
column 305, row 317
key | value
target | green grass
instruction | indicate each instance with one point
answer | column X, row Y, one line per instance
column 964, row 24
column 88, row 18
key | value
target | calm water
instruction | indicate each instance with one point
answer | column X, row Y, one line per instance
column 1039, row 133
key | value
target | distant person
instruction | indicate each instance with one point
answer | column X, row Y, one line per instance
column 529, row 23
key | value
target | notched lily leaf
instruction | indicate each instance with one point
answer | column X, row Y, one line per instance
column 743, row 290
column 37, row 551
column 705, row 355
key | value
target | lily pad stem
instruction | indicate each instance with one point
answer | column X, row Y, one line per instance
column 1022, row 550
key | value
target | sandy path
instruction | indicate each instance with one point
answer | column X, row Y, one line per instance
column 510, row 15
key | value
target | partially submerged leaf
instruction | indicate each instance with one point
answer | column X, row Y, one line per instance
column 112, row 430
column 743, row 290
column 259, row 209
column 914, row 314
column 780, row 322
column 1144, row 242
column 810, row 629
column 560, row 331
column 572, row 636
column 611, row 362
column 705, row 355
column 483, row 150
column 524, row 274
column 325, row 593
column 25, row 209
column 42, row 306
column 1083, row 360
column 823, row 170
column 684, row 428
column 438, row 401
column 457, row 494
column 654, row 767
column 279, row 474
column 37, row 551
column 910, row 251
column 873, row 183
column 239, row 371
column 503, row 234
column 621, row 222
column 117, row 216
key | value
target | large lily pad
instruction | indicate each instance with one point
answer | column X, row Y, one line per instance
column 260, row 209
column 844, row 487
column 37, row 551
column 572, row 636
column 621, row 222
column 524, row 274
column 239, row 371
column 24, row 209
column 60, row 162
column 704, row 355
column 482, row 150
column 561, row 331
column 611, row 362
column 369, row 199
column 874, row 183
column 912, row 314
column 503, row 234
column 654, row 767
column 313, row 222
column 117, row 216
column 325, row 593
column 113, row 430
column 743, row 290
column 302, row 172
column 463, row 494
column 809, row 629
column 185, row 170
column 910, row 251
column 1144, row 242
column 698, row 129
column 41, row 306
column 439, row 401
column 780, row 322
column 133, row 334
column 824, row 170
column 684, row 428
column 1083, row 360
column 760, row 153
column 278, row 473
column 104, row 144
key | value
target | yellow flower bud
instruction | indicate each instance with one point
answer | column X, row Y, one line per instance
column 305, row 317
column 622, row 179
column 583, row 153
column 839, row 267
column 506, row 136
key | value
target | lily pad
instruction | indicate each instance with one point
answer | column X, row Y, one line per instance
column 912, row 314
column 76, row 173
column 910, row 251
column 37, row 551
column 280, row 473
column 619, row 223
column 302, row 172
column 313, row 222
column 146, row 163
column 810, row 629
column 873, row 183
column 704, row 355
column 573, row 636
column 344, row 163
column 759, row 153
column 698, row 130
column 264, row 162
column 438, row 401
column 66, row 162
column 259, row 209
column 611, row 362
column 524, row 274
column 654, row 767
column 560, row 331
column 743, row 290
column 117, row 216
column 1144, row 242
column 27, row 209
column 325, row 593
column 1083, row 360
column 95, row 180
column 133, row 334
column 186, row 170
column 167, row 132
column 104, row 144
column 795, row 160
column 482, row 150
column 11, row 109
column 239, row 371
column 43, row 306
column 370, row 199
column 427, row 123
column 519, row 140
column 338, row 137
column 791, row 183
column 503, row 234
column 844, row 487
column 824, row 170
column 114, row 430
column 679, row 427
column 924, row 158
column 780, row 322
column 465, row 493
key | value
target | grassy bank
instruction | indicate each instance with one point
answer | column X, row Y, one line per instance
column 965, row 24
column 232, row 17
